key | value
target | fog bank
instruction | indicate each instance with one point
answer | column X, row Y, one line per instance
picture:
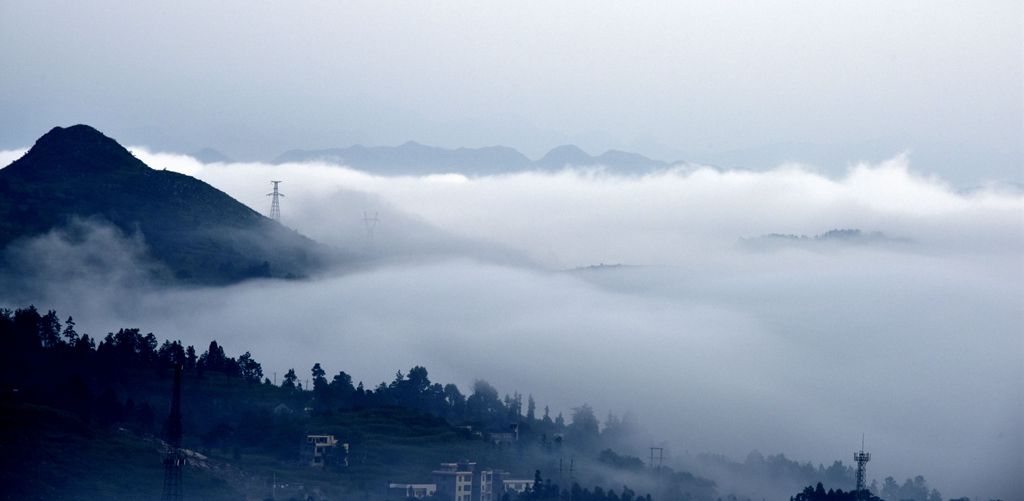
column 798, row 349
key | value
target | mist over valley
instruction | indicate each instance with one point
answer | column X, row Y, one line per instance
column 512, row 251
column 712, row 346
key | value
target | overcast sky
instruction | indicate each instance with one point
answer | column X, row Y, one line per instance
column 671, row 80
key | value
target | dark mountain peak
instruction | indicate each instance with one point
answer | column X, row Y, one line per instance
column 80, row 148
column 76, row 133
column 199, row 233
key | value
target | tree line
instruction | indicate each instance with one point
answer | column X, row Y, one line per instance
column 123, row 379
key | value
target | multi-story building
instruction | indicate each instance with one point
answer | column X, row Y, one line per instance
column 405, row 491
column 319, row 450
column 504, row 438
column 492, row 485
column 455, row 481
column 517, row 486
column 464, row 481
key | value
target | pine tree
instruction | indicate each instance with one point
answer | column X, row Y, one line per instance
column 70, row 334
column 289, row 380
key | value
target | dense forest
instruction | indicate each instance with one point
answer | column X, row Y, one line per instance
column 818, row 493
column 95, row 409
column 62, row 387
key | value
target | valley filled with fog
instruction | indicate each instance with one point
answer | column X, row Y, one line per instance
column 655, row 294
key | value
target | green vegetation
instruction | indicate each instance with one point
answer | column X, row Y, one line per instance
column 94, row 412
column 54, row 454
column 818, row 493
column 106, row 401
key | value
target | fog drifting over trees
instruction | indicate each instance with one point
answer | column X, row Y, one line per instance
column 714, row 346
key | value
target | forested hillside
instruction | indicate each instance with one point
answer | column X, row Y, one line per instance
column 95, row 408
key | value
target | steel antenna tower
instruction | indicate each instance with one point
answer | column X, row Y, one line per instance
column 660, row 457
column 275, row 202
column 371, row 223
column 862, row 459
column 175, row 459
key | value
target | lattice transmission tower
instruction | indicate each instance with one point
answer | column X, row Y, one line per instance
column 862, row 459
column 657, row 456
column 275, row 202
column 174, row 461
column 371, row 223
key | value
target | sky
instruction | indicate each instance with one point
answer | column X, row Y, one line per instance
column 720, row 82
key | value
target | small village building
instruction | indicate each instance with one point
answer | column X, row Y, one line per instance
column 320, row 450
column 405, row 491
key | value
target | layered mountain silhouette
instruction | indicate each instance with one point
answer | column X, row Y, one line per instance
column 569, row 155
column 197, row 233
column 210, row 156
column 413, row 158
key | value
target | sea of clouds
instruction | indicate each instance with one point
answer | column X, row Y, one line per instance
column 715, row 344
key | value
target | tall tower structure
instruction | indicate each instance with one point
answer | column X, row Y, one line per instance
column 174, row 462
column 371, row 223
column 862, row 459
column 659, row 457
column 275, row 202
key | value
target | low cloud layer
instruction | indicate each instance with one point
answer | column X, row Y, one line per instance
column 582, row 217
column 715, row 348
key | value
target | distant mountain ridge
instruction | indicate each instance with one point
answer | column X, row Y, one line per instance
column 199, row 233
column 210, row 156
column 833, row 160
column 847, row 236
column 413, row 158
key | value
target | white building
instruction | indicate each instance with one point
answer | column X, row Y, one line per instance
column 418, row 491
column 517, row 486
column 454, row 481
column 463, row 481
